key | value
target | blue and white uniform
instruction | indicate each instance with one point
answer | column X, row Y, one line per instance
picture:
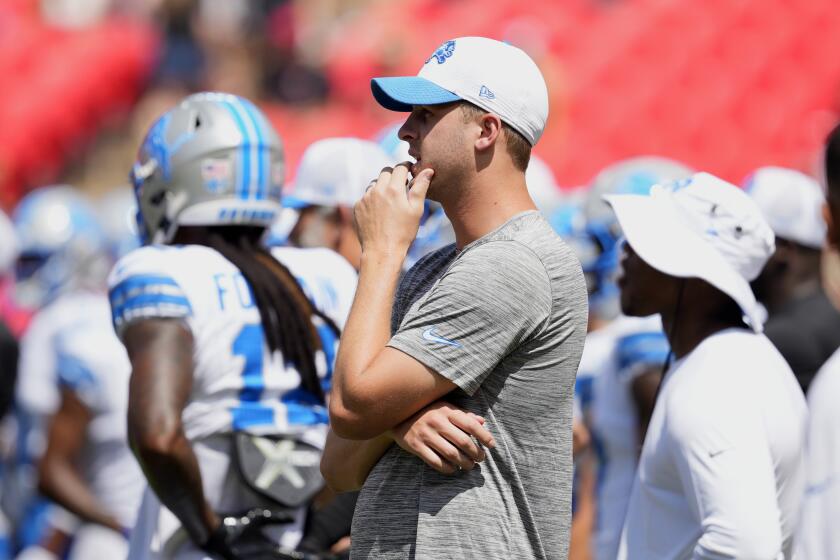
column 36, row 400
column 93, row 364
column 238, row 385
column 71, row 344
column 37, row 389
column 614, row 357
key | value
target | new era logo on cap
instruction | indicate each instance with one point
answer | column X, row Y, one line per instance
column 490, row 74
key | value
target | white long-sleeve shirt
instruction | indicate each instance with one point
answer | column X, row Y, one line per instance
column 721, row 472
column 818, row 536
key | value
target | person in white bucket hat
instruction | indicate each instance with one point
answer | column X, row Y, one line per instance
column 802, row 322
column 721, row 473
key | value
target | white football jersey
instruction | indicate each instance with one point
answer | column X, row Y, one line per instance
column 36, row 389
column 618, row 353
column 238, row 384
column 597, row 351
column 70, row 343
column 91, row 362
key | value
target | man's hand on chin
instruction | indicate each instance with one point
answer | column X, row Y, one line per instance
column 388, row 215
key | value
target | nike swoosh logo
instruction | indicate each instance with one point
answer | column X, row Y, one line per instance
column 429, row 334
column 713, row 454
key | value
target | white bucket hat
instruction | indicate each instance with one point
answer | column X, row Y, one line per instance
column 792, row 203
column 700, row 227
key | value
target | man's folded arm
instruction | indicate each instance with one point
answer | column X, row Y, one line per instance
column 442, row 435
column 346, row 464
column 391, row 389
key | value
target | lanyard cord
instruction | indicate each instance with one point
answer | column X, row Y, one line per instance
column 671, row 334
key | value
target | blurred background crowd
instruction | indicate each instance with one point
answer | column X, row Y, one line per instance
column 641, row 91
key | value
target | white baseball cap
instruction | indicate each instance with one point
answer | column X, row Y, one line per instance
column 335, row 172
column 791, row 202
column 493, row 75
column 700, row 227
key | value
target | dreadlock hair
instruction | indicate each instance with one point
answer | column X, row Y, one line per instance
column 286, row 313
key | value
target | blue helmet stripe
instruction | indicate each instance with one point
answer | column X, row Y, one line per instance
column 261, row 149
column 254, row 143
column 244, row 176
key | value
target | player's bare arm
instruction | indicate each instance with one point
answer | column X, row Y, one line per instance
column 58, row 476
column 161, row 353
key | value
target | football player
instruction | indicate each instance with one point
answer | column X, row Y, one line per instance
column 231, row 344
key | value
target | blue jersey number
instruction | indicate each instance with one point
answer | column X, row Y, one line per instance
column 302, row 407
column 249, row 345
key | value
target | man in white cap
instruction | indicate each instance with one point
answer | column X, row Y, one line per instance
column 802, row 323
column 493, row 325
column 721, row 471
column 330, row 179
column 817, row 535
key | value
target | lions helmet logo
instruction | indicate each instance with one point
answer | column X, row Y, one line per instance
column 443, row 52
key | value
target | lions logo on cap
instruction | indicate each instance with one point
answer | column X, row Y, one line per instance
column 679, row 184
column 443, row 52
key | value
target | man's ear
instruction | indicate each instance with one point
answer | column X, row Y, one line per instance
column 491, row 131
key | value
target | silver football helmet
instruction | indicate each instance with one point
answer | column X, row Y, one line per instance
column 214, row 159
column 118, row 216
column 62, row 246
column 602, row 232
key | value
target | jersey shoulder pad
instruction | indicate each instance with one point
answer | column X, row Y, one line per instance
column 327, row 279
column 143, row 285
column 639, row 348
column 74, row 367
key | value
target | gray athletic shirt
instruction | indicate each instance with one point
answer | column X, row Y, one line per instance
column 504, row 319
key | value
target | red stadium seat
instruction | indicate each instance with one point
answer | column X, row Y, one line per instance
column 58, row 87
